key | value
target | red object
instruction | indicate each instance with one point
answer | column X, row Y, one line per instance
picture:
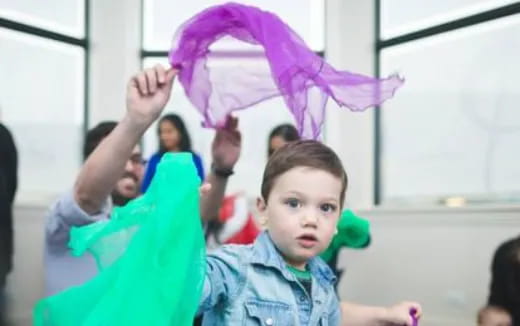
column 239, row 224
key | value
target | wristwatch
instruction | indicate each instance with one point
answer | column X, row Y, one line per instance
column 221, row 172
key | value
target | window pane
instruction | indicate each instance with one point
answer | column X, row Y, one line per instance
column 162, row 17
column 42, row 103
column 62, row 16
column 454, row 128
column 255, row 125
column 404, row 16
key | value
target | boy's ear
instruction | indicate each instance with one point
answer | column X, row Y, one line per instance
column 261, row 206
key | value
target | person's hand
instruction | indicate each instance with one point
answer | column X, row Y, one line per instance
column 204, row 189
column 148, row 92
column 227, row 145
column 399, row 315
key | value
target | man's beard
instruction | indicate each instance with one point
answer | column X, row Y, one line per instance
column 117, row 198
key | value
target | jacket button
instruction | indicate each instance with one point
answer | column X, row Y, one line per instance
column 269, row 321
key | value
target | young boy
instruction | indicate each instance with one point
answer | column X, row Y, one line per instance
column 494, row 316
column 279, row 280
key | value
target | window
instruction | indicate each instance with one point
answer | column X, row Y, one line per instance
column 61, row 16
column 404, row 16
column 452, row 130
column 43, row 99
column 162, row 17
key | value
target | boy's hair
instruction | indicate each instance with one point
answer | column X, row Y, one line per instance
column 487, row 309
column 304, row 153
column 96, row 135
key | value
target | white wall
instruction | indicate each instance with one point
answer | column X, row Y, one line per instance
column 438, row 257
column 114, row 55
column 350, row 46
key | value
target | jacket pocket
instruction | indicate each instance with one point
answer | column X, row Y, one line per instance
column 268, row 313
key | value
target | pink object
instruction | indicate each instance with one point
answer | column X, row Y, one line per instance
column 302, row 77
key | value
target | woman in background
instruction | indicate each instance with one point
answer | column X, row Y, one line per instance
column 173, row 137
column 280, row 136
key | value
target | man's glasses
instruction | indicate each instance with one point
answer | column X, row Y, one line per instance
column 137, row 159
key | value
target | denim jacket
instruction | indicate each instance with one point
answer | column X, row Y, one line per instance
column 251, row 285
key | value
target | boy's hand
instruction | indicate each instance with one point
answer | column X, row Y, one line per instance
column 148, row 92
column 399, row 315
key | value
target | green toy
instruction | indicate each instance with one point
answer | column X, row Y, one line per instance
column 353, row 232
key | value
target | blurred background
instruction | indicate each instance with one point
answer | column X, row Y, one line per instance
column 436, row 170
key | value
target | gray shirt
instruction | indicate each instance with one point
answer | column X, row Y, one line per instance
column 62, row 270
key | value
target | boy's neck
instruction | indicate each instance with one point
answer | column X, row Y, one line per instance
column 298, row 266
column 292, row 268
column 299, row 274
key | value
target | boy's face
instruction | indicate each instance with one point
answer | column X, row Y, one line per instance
column 302, row 212
column 496, row 318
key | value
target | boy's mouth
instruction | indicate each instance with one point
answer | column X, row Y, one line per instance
column 307, row 240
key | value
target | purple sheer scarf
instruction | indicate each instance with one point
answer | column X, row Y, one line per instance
column 295, row 72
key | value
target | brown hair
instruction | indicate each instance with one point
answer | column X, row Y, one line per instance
column 286, row 131
column 305, row 153
column 96, row 135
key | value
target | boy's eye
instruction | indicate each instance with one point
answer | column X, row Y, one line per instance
column 328, row 208
column 293, row 203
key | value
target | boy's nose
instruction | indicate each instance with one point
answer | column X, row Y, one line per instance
column 310, row 219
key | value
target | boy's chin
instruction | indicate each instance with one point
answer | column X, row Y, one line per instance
column 298, row 259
